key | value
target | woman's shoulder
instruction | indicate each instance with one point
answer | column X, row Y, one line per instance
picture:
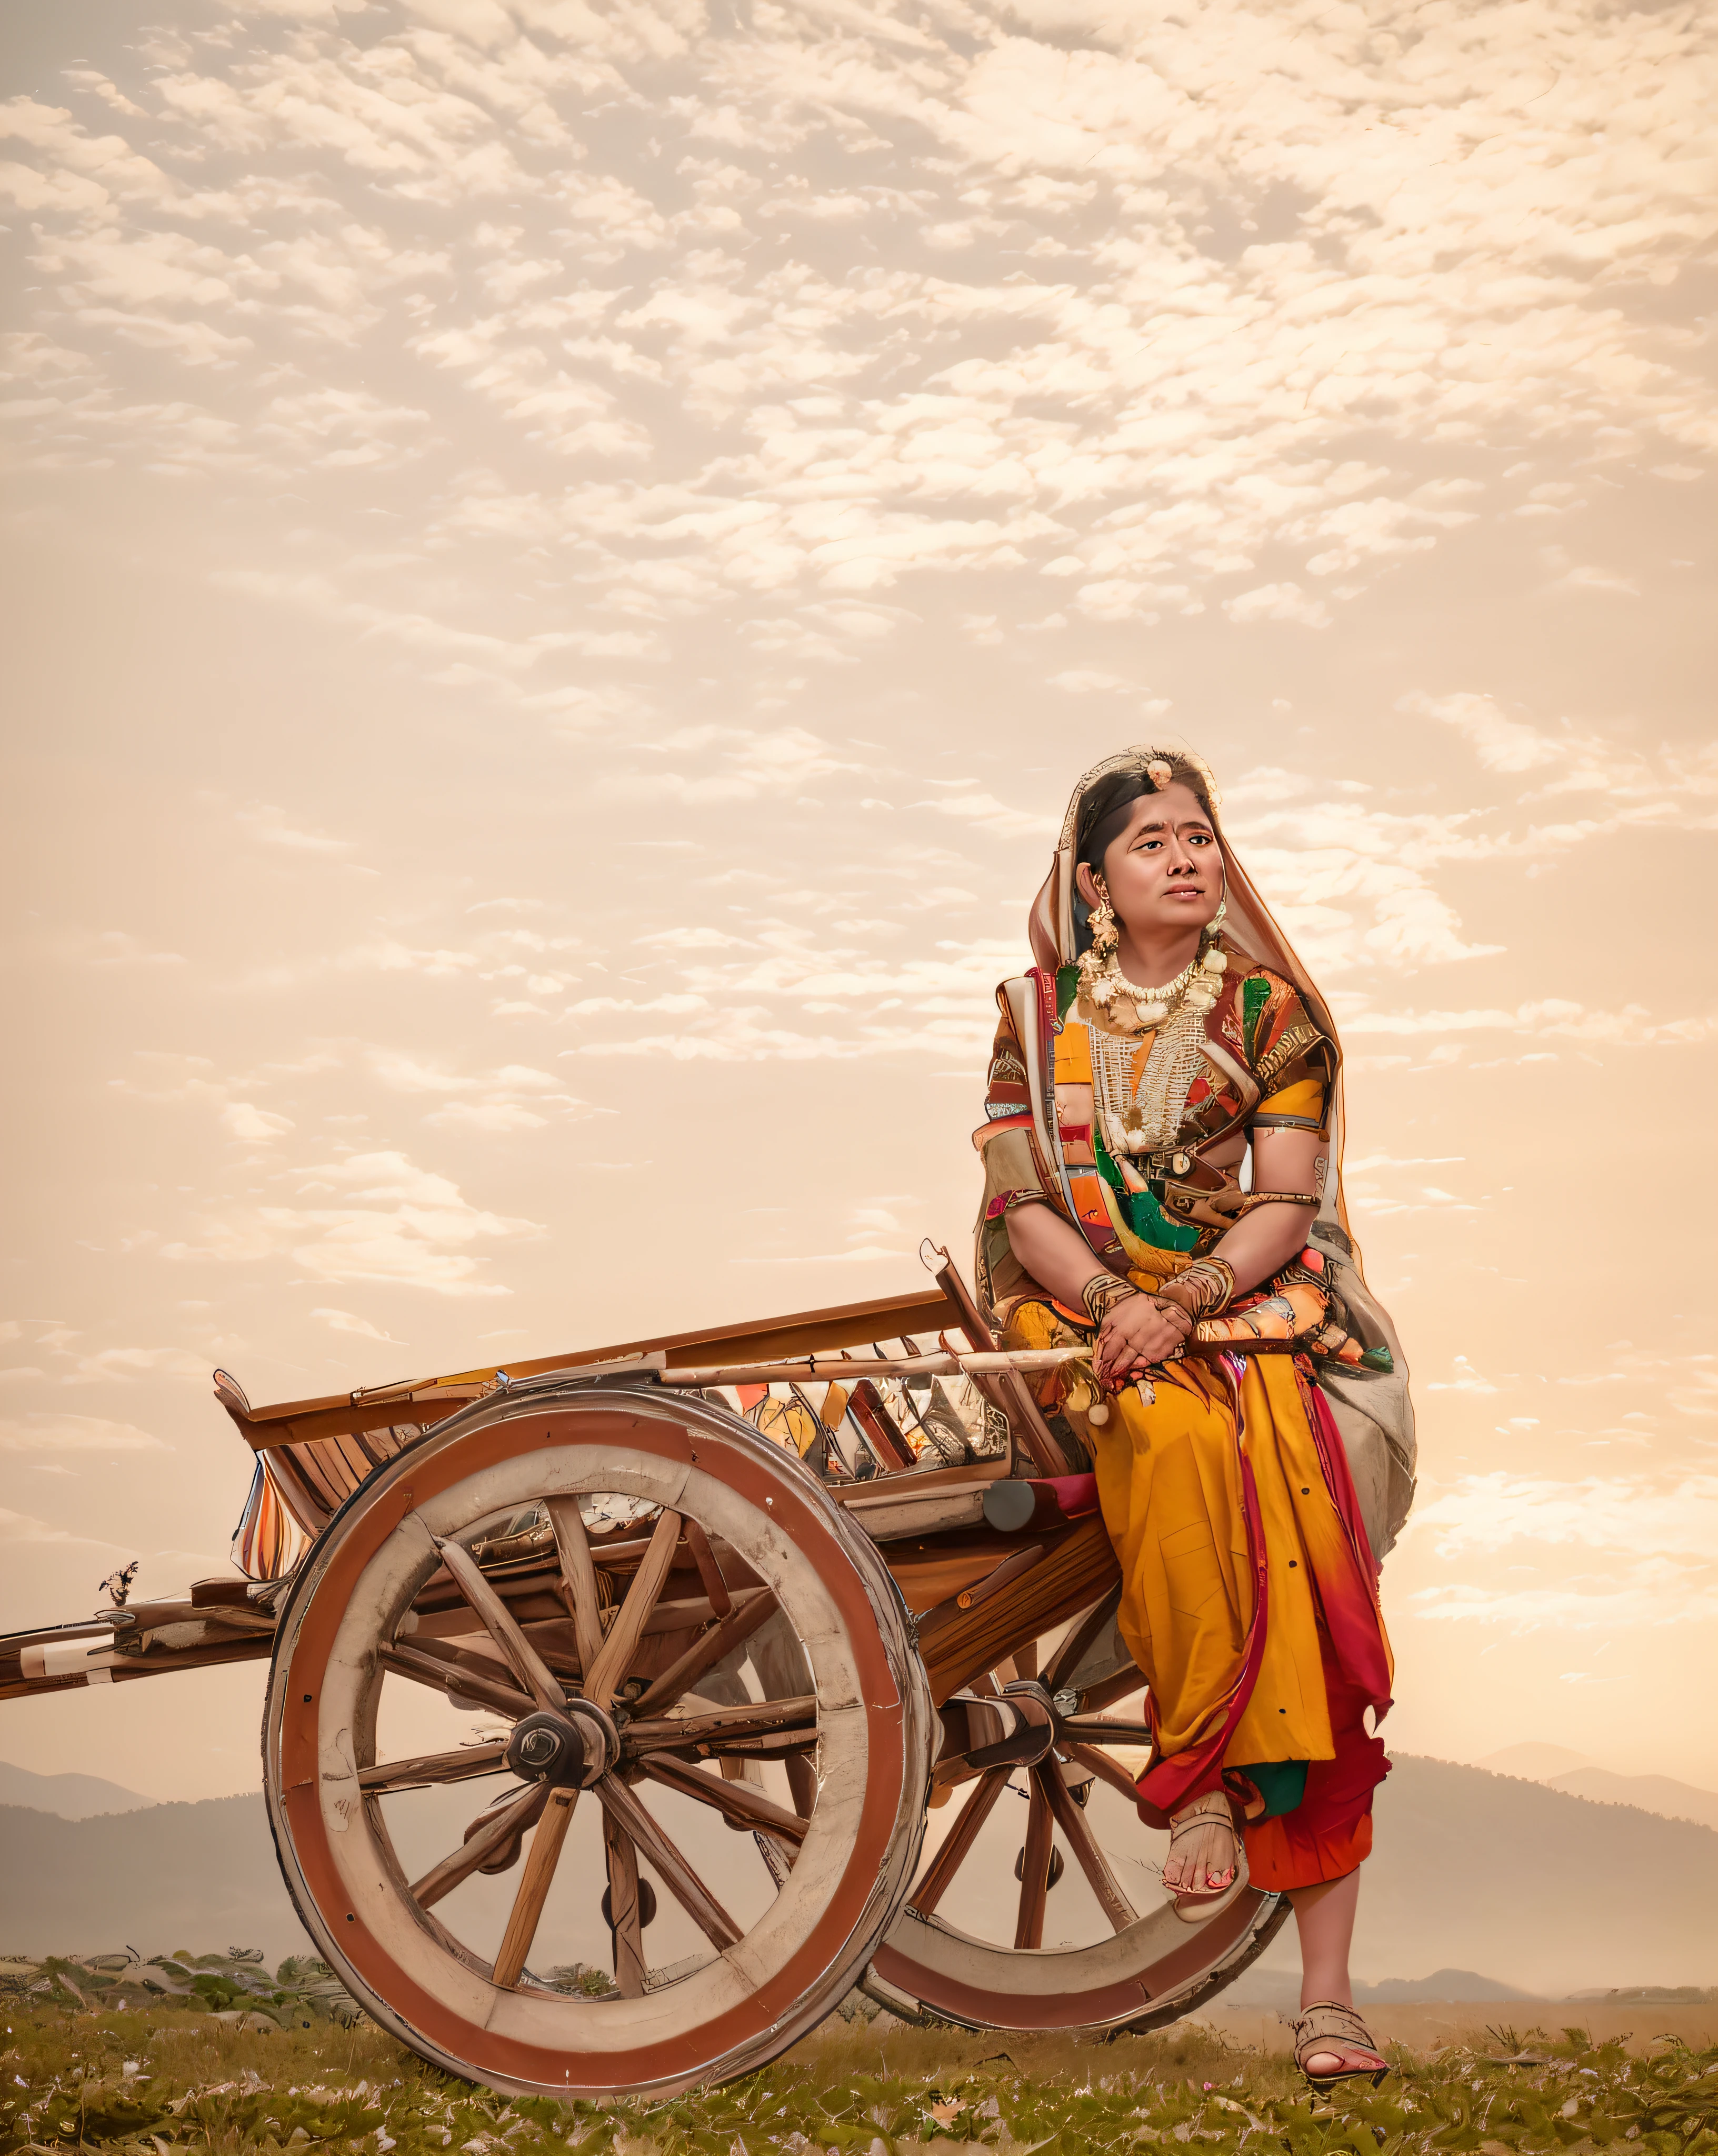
column 1270, row 1015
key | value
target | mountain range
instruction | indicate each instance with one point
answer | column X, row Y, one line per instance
column 1544, row 1890
column 68, row 1796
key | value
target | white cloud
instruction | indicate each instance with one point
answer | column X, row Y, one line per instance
column 343, row 1321
column 401, row 1225
column 1283, row 602
column 255, row 1125
column 1485, row 1513
column 74, row 1433
column 119, row 1365
column 1502, row 743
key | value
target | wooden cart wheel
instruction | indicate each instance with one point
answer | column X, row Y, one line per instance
column 1089, row 1943
column 732, row 1656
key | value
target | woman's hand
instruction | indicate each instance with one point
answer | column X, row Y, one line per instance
column 1135, row 1334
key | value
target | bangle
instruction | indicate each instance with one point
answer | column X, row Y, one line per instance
column 1205, row 1287
column 1102, row 1292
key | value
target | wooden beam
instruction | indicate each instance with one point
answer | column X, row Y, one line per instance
column 428, row 1400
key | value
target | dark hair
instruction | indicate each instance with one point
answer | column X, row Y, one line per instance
column 1105, row 814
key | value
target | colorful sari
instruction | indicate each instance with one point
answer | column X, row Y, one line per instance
column 1250, row 1489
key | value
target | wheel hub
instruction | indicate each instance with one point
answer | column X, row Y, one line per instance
column 573, row 1749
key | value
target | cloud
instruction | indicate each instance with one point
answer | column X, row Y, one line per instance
column 1502, row 743
column 401, row 1225
column 750, row 763
column 74, row 1433
column 269, row 827
column 25, row 1527
column 1284, row 601
column 343, row 1321
column 1653, row 1543
column 255, row 1125
column 1485, row 1513
column 121, row 1365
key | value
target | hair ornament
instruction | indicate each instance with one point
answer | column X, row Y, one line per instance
column 1161, row 773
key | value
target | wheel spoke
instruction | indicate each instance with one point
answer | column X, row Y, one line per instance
column 1104, row 1767
column 958, row 1841
column 1103, row 1729
column 750, row 1611
column 1034, row 1870
column 709, row 1571
column 512, row 1819
column 722, row 1724
column 1079, row 1837
column 681, row 1880
column 432, row 1768
column 623, row 1902
column 734, row 1800
column 534, row 1673
column 540, row 1859
column 609, row 1670
column 447, row 1675
column 1069, row 1656
column 572, row 1546
column 1098, row 1696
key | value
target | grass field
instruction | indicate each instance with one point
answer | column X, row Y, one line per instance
column 168, row 2079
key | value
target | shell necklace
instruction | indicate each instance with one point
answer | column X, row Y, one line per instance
column 1140, row 1109
column 1105, row 986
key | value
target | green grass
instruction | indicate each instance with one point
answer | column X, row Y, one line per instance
column 172, row 2079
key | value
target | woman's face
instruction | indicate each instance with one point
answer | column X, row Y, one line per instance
column 1164, row 870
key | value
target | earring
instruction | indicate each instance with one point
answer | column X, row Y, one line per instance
column 1105, row 938
column 1213, row 927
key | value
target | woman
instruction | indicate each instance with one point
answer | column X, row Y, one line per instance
column 1121, row 1118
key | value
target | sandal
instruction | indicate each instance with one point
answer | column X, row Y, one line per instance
column 1329, row 2026
column 1194, row 1905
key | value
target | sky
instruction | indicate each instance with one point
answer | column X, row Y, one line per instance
column 562, row 562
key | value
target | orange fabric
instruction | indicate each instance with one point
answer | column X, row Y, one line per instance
column 1330, row 1831
column 1177, row 1477
column 1282, row 1853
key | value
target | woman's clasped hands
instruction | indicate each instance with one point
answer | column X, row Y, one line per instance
column 1138, row 1332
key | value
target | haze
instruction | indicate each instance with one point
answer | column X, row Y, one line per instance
column 563, row 561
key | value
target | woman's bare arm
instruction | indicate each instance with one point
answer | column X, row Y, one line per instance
column 1054, row 1251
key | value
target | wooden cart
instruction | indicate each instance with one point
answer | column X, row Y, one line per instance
column 750, row 1644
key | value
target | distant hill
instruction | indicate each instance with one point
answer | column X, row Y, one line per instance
column 1279, row 1988
column 1545, row 1892
column 69, row 1796
column 1653, row 1793
column 1462, row 1984
column 197, row 1876
column 1533, row 1762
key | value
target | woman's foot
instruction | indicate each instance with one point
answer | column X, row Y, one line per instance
column 1204, row 1854
column 1333, row 2044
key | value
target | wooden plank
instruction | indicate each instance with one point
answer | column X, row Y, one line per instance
column 958, row 1644
column 805, row 1333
